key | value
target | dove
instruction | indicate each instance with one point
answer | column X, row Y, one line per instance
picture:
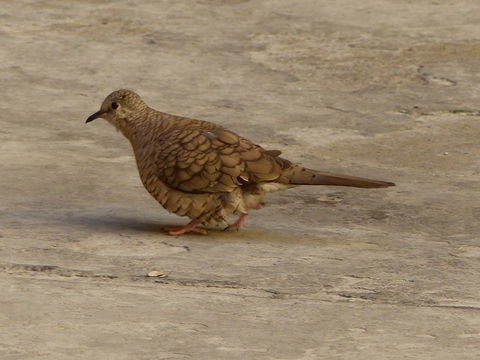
column 204, row 171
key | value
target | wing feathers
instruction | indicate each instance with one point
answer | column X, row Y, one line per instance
column 212, row 159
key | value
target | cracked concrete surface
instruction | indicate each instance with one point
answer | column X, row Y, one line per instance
column 386, row 89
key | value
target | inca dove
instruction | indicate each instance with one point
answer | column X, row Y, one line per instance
column 201, row 170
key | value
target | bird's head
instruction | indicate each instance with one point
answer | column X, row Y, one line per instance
column 118, row 108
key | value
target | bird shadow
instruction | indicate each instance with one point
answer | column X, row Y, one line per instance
column 117, row 223
column 107, row 222
column 103, row 222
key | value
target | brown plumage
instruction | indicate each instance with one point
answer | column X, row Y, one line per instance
column 201, row 170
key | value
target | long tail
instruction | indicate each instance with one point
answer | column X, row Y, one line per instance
column 303, row 176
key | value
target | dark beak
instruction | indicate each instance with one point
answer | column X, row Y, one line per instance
column 95, row 116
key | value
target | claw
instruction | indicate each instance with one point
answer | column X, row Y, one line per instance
column 236, row 225
column 231, row 227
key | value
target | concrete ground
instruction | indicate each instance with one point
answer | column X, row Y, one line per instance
column 380, row 88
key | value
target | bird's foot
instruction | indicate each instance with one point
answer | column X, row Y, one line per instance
column 236, row 225
column 190, row 227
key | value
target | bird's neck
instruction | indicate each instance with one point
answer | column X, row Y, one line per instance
column 146, row 124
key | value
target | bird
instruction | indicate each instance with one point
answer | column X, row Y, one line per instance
column 204, row 171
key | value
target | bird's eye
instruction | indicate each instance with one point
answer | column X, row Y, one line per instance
column 114, row 105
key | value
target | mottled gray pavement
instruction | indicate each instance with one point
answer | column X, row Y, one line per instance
column 386, row 89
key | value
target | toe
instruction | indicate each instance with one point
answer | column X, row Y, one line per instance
column 180, row 231
column 198, row 230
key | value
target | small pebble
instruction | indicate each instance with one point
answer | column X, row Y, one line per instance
column 156, row 273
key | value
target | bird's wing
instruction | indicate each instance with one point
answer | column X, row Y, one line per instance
column 213, row 159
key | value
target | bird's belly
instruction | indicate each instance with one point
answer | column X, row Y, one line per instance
column 208, row 208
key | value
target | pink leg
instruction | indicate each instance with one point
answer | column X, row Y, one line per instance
column 236, row 225
column 243, row 218
column 190, row 227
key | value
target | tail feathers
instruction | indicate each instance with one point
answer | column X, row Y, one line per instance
column 304, row 176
